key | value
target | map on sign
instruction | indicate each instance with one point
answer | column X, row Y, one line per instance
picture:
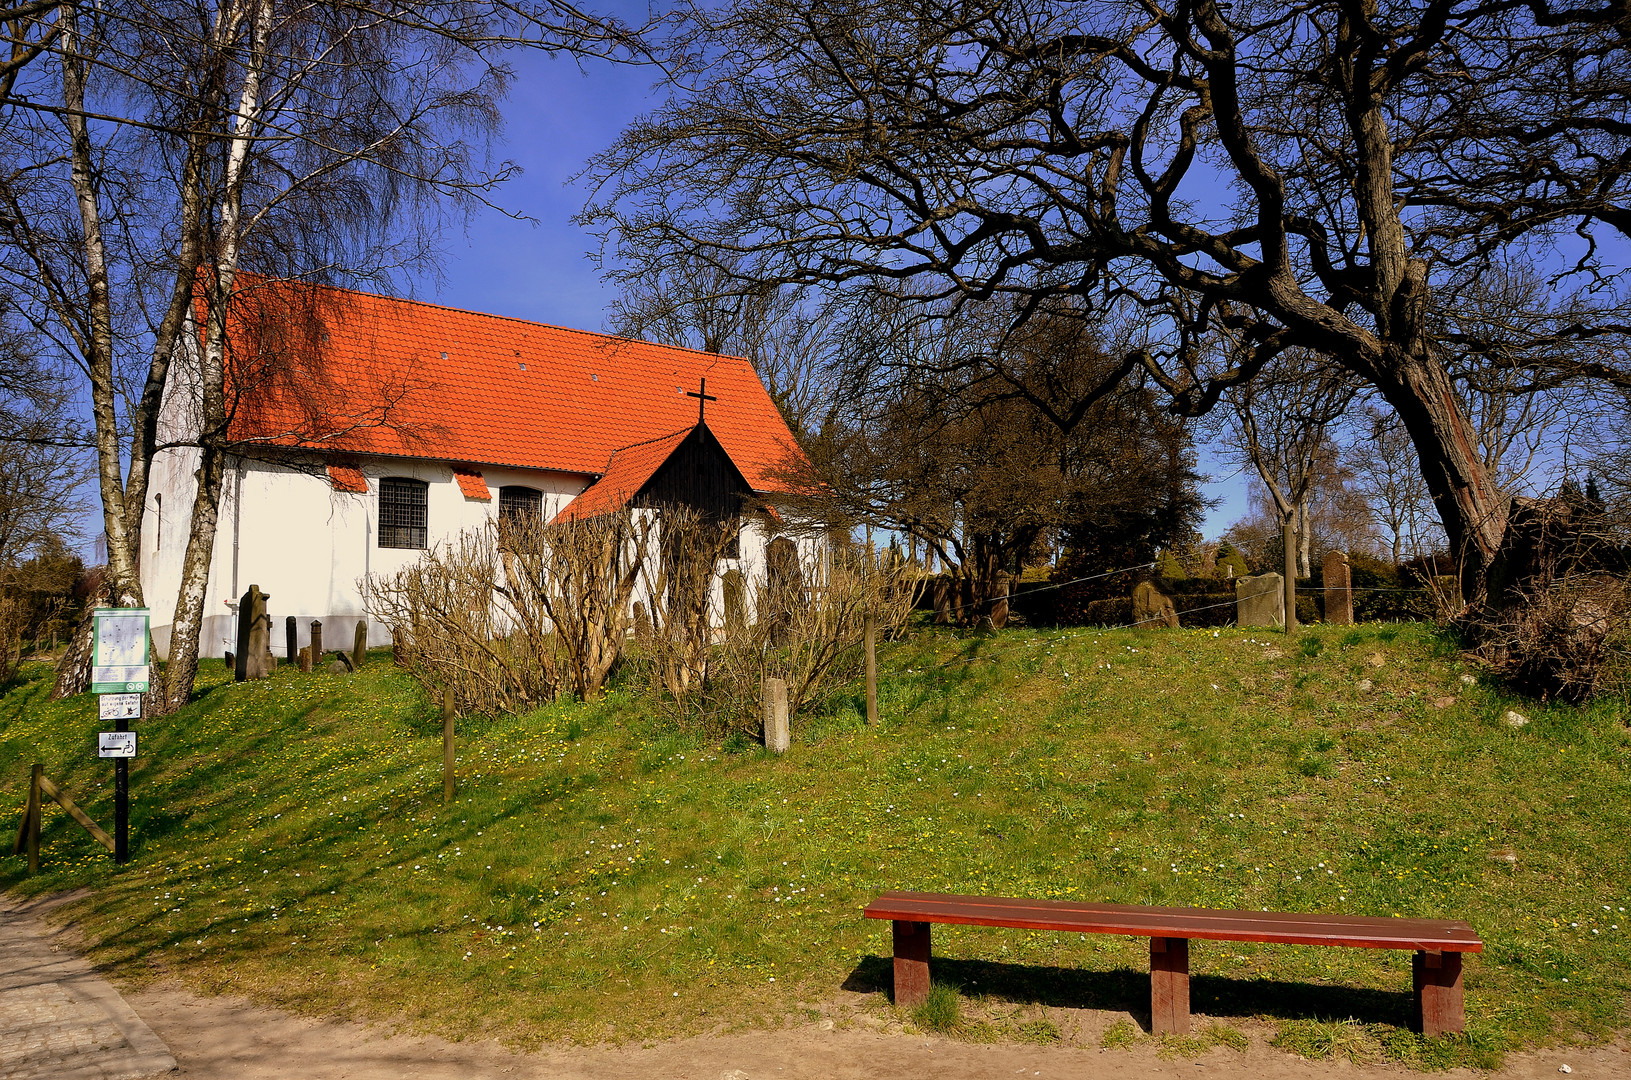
column 119, row 664
column 116, row 744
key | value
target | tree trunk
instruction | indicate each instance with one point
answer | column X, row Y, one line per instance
column 1472, row 509
column 1305, row 567
column 187, row 627
column 1288, row 538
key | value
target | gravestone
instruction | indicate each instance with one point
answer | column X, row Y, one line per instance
column 1152, row 607
column 337, row 667
column 399, row 645
column 254, row 652
column 642, row 621
column 1339, row 592
column 291, row 638
column 316, row 644
column 1260, row 600
column 778, row 733
column 999, row 600
column 305, row 658
column 942, row 600
column 359, row 643
column 735, row 585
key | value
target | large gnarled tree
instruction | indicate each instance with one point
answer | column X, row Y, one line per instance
column 1244, row 178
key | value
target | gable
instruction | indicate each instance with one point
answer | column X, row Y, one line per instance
column 699, row 474
column 353, row 373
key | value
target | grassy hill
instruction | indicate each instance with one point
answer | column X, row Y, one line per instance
column 603, row 875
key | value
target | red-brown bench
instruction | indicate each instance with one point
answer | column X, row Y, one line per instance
column 1437, row 943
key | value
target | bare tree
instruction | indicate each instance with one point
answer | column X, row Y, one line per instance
column 1278, row 425
column 1383, row 462
column 1321, row 177
column 162, row 149
column 774, row 328
column 42, row 464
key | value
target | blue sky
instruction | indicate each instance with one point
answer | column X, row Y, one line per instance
column 557, row 116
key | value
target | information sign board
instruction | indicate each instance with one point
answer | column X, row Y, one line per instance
column 120, row 663
column 116, row 744
column 120, row 706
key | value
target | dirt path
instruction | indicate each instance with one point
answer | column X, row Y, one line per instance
column 227, row 1037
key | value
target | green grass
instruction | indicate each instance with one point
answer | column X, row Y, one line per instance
column 603, row 876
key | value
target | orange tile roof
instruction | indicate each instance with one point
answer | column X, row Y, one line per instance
column 366, row 374
column 472, row 484
column 626, row 473
column 348, row 478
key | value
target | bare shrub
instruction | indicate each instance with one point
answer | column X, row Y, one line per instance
column 458, row 622
column 1558, row 624
column 677, row 637
column 811, row 641
column 1567, row 639
column 581, row 574
column 514, row 614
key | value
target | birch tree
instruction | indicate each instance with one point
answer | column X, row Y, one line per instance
column 162, row 150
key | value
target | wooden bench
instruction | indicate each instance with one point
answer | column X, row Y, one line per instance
column 1437, row 943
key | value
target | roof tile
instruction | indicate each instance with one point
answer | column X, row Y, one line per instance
column 371, row 374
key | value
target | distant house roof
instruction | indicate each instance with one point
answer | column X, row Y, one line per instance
column 353, row 373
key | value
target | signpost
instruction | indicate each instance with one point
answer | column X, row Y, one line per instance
column 120, row 671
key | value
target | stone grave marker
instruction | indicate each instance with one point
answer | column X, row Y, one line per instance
column 316, row 644
column 778, row 733
column 359, row 643
column 1339, row 592
column 253, row 656
column 1152, row 607
column 999, row 601
column 291, row 639
column 1260, row 600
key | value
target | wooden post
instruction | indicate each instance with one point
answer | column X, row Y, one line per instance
column 1436, row 979
column 1169, row 986
column 911, row 962
column 447, row 746
column 778, row 733
column 359, row 644
column 34, row 819
column 1288, row 530
column 871, row 671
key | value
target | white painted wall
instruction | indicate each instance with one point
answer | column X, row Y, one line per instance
column 307, row 546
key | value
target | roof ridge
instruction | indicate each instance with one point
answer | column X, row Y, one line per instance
column 504, row 318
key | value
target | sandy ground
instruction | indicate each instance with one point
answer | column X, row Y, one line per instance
column 229, row 1037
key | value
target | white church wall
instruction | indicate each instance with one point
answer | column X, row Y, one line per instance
column 308, row 546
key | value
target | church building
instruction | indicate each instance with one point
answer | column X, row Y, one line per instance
column 375, row 428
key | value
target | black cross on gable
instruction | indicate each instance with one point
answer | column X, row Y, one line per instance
column 703, row 397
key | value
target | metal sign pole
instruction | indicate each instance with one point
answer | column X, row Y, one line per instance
column 121, row 809
column 120, row 671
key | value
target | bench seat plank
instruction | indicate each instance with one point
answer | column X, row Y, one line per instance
column 1357, row 931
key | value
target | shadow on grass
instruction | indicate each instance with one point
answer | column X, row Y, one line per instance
column 1127, row 990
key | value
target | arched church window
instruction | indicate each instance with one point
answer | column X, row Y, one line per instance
column 402, row 512
column 516, row 503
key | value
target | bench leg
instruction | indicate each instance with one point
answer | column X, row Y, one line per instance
column 1436, row 979
column 1169, row 986
column 911, row 962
